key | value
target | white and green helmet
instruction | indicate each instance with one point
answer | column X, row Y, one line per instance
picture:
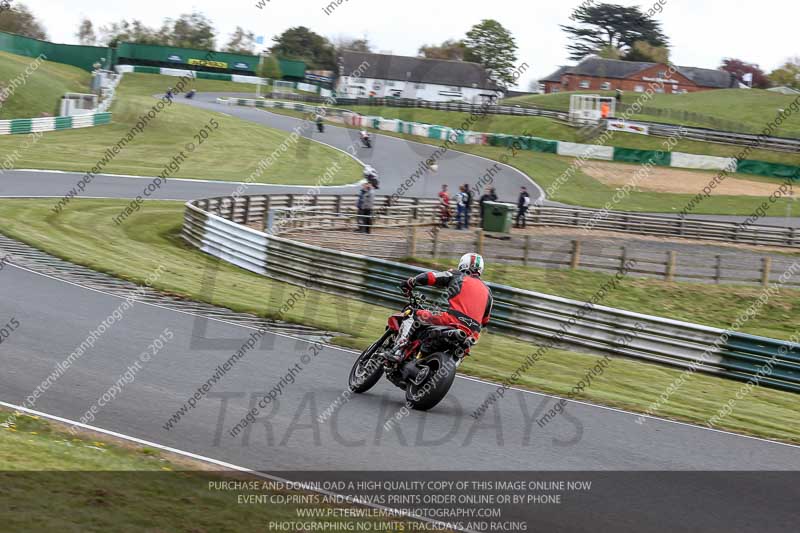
column 471, row 263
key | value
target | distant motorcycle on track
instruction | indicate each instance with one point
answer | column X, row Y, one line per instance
column 366, row 141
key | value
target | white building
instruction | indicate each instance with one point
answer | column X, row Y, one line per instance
column 436, row 80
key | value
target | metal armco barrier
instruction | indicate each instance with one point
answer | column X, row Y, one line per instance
column 216, row 227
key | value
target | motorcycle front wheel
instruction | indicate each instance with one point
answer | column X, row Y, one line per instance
column 368, row 368
column 430, row 392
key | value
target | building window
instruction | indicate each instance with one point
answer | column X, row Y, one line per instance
column 584, row 84
column 606, row 86
column 419, row 85
column 660, row 89
column 662, row 74
column 556, row 89
column 389, row 83
column 454, row 89
column 639, row 89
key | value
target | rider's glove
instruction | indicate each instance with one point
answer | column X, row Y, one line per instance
column 407, row 286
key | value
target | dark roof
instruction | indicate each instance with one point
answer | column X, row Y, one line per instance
column 616, row 68
column 556, row 76
column 416, row 69
column 609, row 68
column 706, row 77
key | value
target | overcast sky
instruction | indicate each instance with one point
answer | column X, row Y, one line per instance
column 701, row 32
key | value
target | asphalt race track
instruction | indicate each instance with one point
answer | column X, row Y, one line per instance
column 55, row 317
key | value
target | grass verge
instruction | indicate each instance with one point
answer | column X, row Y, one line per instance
column 151, row 238
column 231, row 152
column 583, row 190
column 42, row 88
column 90, row 482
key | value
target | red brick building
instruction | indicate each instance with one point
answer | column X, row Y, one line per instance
column 598, row 74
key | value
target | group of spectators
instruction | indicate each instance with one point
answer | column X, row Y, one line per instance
column 463, row 200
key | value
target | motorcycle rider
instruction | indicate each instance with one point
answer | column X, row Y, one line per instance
column 469, row 299
column 365, row 138
column 320, row 124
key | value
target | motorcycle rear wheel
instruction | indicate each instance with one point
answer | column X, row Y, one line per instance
column 436, row 386
column 368, row 368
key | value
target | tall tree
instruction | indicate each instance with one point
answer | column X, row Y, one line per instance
column 131, row 32
column 740, row 68
column 21, row 21
column 344, row 42
column 241, row 42
column 493, row 46
column 611, row 25
column 193, row 30
column 303, row 44
column 86, row 33
column 644, row 51
column 449, row 49
column 609, row 52
column 788, row 74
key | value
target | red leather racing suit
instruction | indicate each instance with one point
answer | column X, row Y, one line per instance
column 470, row 300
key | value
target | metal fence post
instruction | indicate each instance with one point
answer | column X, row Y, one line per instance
column 246, row 210
column 718, row 269
column 435, row 248
column 479, row 241
column 265, row 216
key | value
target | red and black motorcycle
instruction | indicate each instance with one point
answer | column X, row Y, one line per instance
column 428, row 366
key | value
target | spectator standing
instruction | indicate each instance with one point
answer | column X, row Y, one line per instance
column 523, row 202
column 461, row 207
column 444, row 205
column 366, row 200
column 467, row 204
column 489, row 196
